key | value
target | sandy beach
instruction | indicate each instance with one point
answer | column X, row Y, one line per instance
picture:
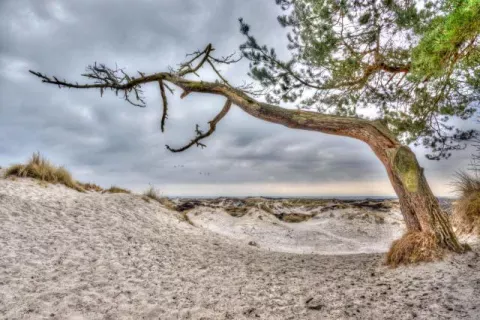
column 71, row 255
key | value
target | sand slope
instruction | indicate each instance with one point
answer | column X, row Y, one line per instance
column 68, row 255
column 337, row 231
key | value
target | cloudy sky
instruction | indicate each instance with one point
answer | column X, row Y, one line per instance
column 109, row 142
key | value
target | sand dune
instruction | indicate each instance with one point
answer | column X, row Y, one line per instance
column 71, row 255
column 346, row 230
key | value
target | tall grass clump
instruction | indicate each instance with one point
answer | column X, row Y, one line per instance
column 466, row 210
column 414, row 247
column 41, row 169
column 153, row 194
column 90, row 186
column 115, row 189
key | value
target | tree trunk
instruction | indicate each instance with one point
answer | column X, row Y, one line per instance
column 420, row 208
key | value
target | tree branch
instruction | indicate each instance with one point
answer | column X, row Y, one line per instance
column 186, row 68
column 200, row 134
column 165, row 105
column 307, row 120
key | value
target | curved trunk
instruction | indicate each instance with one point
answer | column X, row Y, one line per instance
column 420, row 208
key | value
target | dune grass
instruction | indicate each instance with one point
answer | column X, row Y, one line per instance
column 295, row 217
column 466, row 211
column 237, row 211
column 265, row 207
column 153, row 194
column 41, row 169
column 465, row 183
column 90, row 186
column 115, row 189
column 414, row 247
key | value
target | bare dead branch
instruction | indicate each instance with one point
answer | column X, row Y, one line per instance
column 218, row 73
column 104, row 78
column 165, row 105
column 186, row 68
column 117, row 81
column 200, row 134
column 228, row 59
column 184, row 94
column 168, row 88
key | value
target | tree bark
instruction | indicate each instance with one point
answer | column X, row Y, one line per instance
column 419, row 207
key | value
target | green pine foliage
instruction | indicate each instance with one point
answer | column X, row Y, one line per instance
column 449, row 39
column 417, row 63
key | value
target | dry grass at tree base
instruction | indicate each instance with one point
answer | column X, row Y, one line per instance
column 40, row 168
column 466, row 211
column 414, row 247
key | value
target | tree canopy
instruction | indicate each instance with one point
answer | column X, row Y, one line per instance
column 415, row 63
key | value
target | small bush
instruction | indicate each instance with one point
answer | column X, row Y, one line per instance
column 152, row 193
column 115, row 189
column 295, row 217
column 40, row 168
column 184, row 217
column 465, row 183
column 236, row 212
column 266, row 208
column 414, row 247
column 466, row 211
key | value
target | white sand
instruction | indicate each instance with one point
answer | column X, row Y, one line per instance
column 68, row 255
column 340, row 231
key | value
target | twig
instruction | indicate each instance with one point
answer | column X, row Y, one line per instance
column 201, row 135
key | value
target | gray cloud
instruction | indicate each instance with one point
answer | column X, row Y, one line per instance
column 108, row 141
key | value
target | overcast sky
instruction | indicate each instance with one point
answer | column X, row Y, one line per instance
column 109, row 142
